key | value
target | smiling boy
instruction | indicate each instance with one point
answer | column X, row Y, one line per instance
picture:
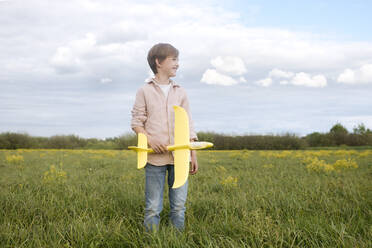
column 153, row 115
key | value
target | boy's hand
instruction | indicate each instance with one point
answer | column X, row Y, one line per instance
column 157, row 146
column 193, row 163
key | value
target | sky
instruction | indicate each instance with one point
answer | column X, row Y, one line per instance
column 248, row 67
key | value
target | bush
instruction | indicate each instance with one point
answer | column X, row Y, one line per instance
column 66, row 142
column 338, row 135
column 15, row 140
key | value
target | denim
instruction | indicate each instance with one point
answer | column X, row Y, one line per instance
column 154, row 188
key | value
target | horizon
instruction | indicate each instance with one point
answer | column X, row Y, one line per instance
column 201, row 131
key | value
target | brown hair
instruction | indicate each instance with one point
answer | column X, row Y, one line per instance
column 160, row 51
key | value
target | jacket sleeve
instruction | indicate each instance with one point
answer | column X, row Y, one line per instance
column 185, row 104
column 139, row 111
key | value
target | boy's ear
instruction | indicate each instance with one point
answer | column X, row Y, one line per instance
column 157, row 62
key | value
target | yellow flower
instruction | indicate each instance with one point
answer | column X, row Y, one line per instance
column 282, row 154
column 365, row 154
column 213, row 161
column 345, row 164
column 307, row 160
column 230, row 181
column 221, row 169
column 316, row 165
column 54, row 175
column 328, row 168
column 97, row 157
column 15, row 159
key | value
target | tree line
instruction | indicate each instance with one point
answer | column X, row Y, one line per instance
column 338, row 135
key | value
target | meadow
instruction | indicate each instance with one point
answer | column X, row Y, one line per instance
column 95, row 198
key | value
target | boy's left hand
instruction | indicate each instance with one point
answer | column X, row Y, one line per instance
column 193, row 163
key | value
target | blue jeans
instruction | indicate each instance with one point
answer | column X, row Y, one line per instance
column 155, row 180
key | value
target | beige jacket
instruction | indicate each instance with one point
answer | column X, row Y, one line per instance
column 154, row 111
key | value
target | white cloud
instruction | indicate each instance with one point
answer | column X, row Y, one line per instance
column 84, row 45
column 347, row 77
column 231, row 65
column 211, row 76
column 299, row 79
column 106, row 80
column 358, row 76
column 65, row 61
column 242, row 79
column 366, row 73
column 125, row 35
column 265, row 82
column 122, row 33
column 276, row 73
column 305, row 79
column 95, row 55
column 70, row 58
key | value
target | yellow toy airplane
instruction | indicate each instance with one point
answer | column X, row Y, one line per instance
column 181, row 147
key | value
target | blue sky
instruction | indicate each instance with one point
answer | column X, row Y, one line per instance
column 249, row 67
column 339, row 18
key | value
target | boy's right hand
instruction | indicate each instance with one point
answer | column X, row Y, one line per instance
column 157, row 146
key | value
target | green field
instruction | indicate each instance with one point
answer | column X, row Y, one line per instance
column 95, row 198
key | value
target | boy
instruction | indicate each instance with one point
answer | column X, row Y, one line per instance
column 153, row 115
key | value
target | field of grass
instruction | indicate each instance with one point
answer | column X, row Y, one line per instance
column 95, row 198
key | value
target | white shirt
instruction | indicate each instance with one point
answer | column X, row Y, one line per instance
column 164, row 87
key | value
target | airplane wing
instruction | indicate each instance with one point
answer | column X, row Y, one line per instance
column 181, row 156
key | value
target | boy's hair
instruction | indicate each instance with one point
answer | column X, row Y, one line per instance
column 160, row 51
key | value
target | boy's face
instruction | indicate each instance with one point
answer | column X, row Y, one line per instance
column 169, row 66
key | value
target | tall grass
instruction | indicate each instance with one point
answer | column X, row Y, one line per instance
column 75, row 198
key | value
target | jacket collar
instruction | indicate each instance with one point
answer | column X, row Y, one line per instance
column 172, row 83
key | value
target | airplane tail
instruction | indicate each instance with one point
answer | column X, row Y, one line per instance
column 141, row 150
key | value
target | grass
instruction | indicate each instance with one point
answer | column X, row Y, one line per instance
column 342, row 147
column 95, row 198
